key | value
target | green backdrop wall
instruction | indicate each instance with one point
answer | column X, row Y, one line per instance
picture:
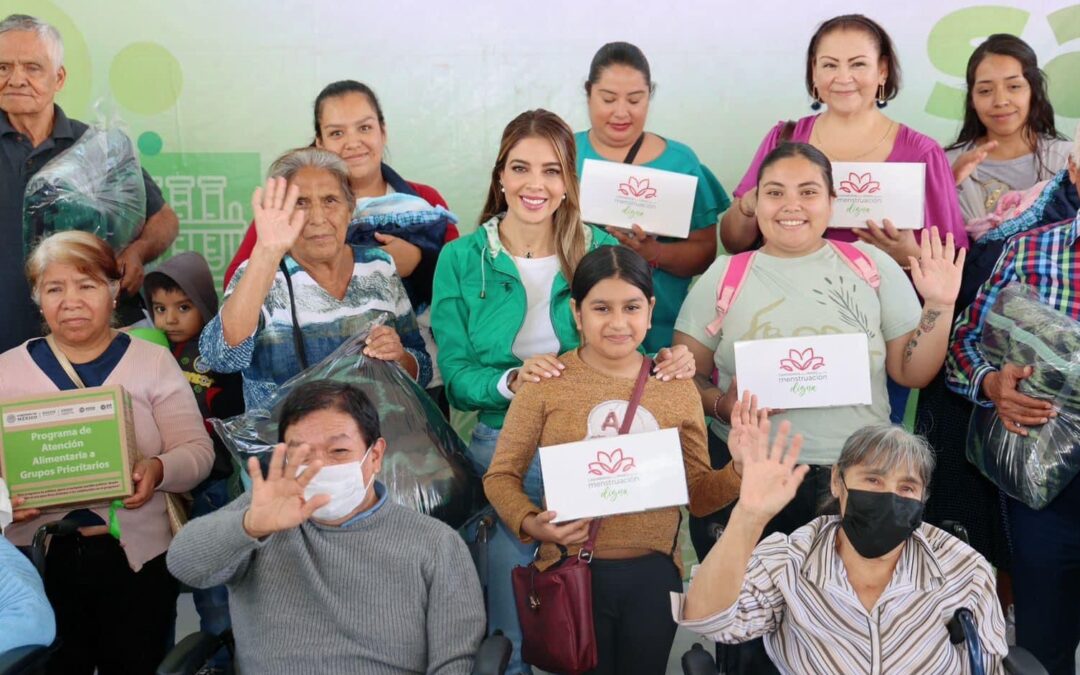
column 213, row 91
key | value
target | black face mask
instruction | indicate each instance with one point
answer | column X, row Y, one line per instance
column 877, row 522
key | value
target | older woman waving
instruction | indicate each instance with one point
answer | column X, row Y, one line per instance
column 303, row 291
column 114, row 599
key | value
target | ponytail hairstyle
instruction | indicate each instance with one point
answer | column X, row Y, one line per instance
column 806, row 151
column 569, row 228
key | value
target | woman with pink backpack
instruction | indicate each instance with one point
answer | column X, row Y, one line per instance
column 800, row 283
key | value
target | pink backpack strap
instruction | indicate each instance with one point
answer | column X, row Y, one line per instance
column 858, row 261
column 729, row 287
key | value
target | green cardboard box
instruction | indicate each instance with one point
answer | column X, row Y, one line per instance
column 68, row 448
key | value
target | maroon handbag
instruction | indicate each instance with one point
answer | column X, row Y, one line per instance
column 554, row 606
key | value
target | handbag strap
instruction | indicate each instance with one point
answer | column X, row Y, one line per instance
column 632, row 155
column 298, row 335
column 62, row 358
column 631, row 409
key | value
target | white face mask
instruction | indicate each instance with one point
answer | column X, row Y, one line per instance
column 345, row 485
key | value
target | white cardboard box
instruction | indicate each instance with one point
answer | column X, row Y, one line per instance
column 622, row 195
column 614, row 474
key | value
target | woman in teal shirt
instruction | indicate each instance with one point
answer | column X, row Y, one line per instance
column 618, row 89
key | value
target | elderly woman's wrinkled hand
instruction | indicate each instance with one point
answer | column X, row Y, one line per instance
column 277, row 501
column 278, row 222
column 770, row 473
column 384, row 343
column 938, row 270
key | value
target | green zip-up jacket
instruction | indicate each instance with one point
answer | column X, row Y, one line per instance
column 477, row 309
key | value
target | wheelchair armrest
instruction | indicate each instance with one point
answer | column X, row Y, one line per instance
column 1020, row 661
column 697, row 661
column 493, row 655
column 190, row 654
column 30, row 658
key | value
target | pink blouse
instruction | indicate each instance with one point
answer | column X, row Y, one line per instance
column 168, row 426
column 942, row 206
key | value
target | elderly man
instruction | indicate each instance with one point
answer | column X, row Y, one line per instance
column 1045, row 542
column 325, row 574
column 33, row 130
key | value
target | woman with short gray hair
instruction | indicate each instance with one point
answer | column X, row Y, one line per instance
column 870, row 590
column 304, row 291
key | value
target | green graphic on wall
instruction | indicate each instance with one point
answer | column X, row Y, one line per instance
column 953, row 39
column 211, row 194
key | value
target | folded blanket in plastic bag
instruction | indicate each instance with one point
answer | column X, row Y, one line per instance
column 1021, row 329
column 424, row 467
column 95, row 186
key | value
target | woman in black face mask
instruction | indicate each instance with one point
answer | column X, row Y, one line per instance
column 867, row 591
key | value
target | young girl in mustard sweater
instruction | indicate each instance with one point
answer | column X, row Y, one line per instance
column 636, row 559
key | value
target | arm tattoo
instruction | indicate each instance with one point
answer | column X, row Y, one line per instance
column 926, row 324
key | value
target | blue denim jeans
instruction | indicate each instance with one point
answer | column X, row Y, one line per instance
column 212, row 604
column 504, row 550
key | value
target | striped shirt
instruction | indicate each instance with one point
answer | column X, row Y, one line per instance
column 1046, row 260
column 268, row 357
column 796, row 595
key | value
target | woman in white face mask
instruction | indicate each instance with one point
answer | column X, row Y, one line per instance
column 870, row 590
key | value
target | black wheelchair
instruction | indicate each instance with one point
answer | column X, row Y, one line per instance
column 192, row 653
column 31, row 660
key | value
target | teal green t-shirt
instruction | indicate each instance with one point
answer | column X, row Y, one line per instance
column 816, row 294
column 710, row 201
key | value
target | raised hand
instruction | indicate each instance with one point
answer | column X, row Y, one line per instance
column 937, row 271
column 675, row 362
column 770, row 474
column 746, row 421
column 277, row 501
column 278, row 222
column 966, row 163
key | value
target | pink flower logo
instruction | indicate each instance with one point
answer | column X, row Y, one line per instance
column 637, row 188
column 859, row 184
column 802, row 361
column 610, row 463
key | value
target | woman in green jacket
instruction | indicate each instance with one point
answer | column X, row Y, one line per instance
column 501, row 311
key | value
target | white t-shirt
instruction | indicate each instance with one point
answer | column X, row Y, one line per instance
column 537, row 333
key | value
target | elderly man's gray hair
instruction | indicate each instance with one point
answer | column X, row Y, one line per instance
column 888, row 446
column 54, row 44
column 288, row 164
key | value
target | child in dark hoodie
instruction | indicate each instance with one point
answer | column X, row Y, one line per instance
column 182, row 299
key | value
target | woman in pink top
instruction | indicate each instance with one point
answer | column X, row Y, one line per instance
column 852, row 70
column 114, row 599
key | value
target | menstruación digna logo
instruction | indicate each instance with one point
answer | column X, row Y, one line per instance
column 860, row 184
column 801, row 361
column 637, row 188
column 611, row 463
column 954, row 37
